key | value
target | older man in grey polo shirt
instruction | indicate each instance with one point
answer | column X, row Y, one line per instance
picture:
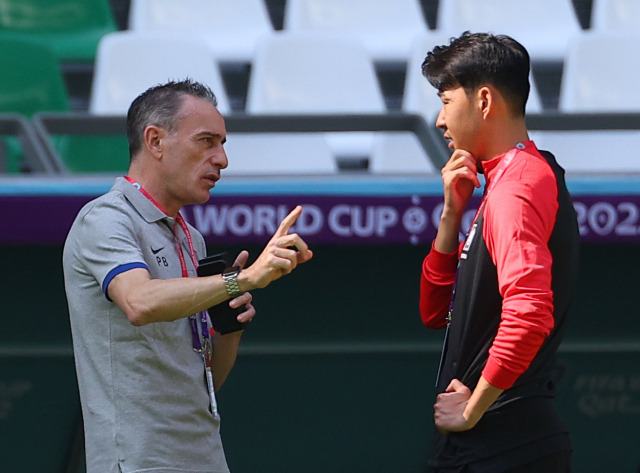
column 147, row 365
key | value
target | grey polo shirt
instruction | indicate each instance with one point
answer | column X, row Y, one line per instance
column 142, row 389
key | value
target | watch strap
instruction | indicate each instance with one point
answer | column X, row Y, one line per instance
column 230, row 277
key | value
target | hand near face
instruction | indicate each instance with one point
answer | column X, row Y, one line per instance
column 459, row 177
column 281, row 255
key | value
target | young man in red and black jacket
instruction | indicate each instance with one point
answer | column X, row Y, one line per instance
column 504, row 292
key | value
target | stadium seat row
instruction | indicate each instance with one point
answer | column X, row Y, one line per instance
column 386, row 29
column 72, row 28
column 297, row 74
column 305, row 71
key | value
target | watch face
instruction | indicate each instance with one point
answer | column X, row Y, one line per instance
column 231, row 271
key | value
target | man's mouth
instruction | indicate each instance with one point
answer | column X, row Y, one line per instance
column 212, row 178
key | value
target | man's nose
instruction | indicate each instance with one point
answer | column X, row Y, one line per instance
column 220, row 158
column 440, row 122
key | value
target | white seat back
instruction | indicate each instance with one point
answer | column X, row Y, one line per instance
column 615, row 15
column 305, row 73
column 386, row 32
column 600, row 74
column 309, row 73
column 129, row 63
column 231, row 28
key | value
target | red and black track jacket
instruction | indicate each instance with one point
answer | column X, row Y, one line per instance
column 514, row 287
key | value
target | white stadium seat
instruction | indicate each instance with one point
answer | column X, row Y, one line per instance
column 128, row 63
column 599, row 78
column 385, row 30
column 305, row 73
column 231, row 28
column 600, row 73
column 313, row 73
column 615, row 15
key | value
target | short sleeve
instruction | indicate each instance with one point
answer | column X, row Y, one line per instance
column 106, row 241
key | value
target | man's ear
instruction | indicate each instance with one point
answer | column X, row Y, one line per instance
column 153, row 137
column 486, row 100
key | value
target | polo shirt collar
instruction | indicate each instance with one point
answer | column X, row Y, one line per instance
column 144, row 206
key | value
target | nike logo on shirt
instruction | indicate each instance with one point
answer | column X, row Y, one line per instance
column 155, row 252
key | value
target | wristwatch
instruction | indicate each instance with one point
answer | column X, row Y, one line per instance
column 230, row 277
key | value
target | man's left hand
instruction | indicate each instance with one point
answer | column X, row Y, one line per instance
column 450, row 406
column 245, row 298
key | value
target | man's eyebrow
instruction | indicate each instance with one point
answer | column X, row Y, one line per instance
column 212, row 134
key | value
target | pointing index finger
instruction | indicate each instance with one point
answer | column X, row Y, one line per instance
column 288, row 221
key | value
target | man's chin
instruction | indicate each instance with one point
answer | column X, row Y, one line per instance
column 204, row 197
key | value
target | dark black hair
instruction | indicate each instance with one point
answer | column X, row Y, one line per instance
column 476, row 59
column 159, row 106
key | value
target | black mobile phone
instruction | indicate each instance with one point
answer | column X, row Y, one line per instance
column 223, row 318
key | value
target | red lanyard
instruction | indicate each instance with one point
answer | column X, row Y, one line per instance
column 180, row 221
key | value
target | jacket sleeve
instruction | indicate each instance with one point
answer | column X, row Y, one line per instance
column 436, row 284
column 519, row 220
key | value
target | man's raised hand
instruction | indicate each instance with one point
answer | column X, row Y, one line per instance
column 281, row 255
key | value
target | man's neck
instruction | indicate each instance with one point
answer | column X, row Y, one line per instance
column 505, row 138
column 154, row 191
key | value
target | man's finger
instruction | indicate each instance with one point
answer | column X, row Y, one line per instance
column 455, row 385
column 293, row 241
column 288, row 221
column 241, row 259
